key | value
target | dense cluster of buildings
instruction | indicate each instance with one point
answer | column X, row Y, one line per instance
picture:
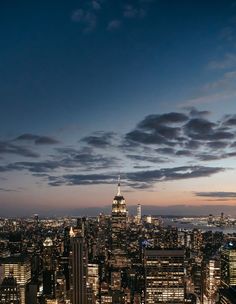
column 118, row 259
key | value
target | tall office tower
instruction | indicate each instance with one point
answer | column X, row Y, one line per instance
column 116, row 280
column 118, row 224
column 36, row 220
column 20, row 268
column 65, row 257
column 79, row 229
column 48, row 269
column 197, row 276
column 210, row 219
column 227, row 296
column 9, row 291
column 15, row 242
column 197, row 240
column 228, row 265
column 222, row 219
column 164, row 276
column 227, row 293
column 139, row 213
column 211, row 280
column 32, row 291
column 93, row 280
column 78, row 262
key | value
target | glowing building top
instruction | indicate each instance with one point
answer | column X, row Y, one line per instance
column 48, row 242
column 71, row 233
column 119, row 205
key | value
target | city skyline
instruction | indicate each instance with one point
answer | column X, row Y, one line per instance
column 93, row 89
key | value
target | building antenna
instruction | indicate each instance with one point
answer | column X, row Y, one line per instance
column 119, row 192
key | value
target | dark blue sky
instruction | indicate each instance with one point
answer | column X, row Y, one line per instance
column 53, row 72
column 71, row 68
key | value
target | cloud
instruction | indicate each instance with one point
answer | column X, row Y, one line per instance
column 209, row 157
column 86, row 18
column 138, row 179
column 84, row 159
column 186, row 135
column 217, row 144
column 89, row 14
column 7, row 190
column 145, row 138
column 9, row 148
column 167, row 174
column 174, row 137
column 141, row 167
column 35, row 167
column 217, row 194
column 96, row 5
column 202, row 129
column 208, row 98
column 44, row 140
column 168, row 151
column 133, row 12
column 198, row 127
column 27, row 137
column 154, row 121
column 155, row 129
column 37, row 139
column 114, row 25
column 81, row 179
column 192, row 144
column 228, row 61
column 146, row 158
column 230, row 120
column 99, row 139
column 193, row 112
column 227, row 33
column 183, row 153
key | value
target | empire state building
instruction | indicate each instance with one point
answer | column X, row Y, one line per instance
column 118, row 227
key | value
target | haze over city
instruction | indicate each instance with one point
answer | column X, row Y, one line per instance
column 90, row 90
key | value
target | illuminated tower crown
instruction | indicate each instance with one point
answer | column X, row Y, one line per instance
column 118, row 205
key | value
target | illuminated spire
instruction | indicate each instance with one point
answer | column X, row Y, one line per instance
column 72, row 234
column 118, row 192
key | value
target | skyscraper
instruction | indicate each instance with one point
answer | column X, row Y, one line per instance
column 211, row 280
column 20, row 268
column 48, row 269
column 139, row 213
column 228, row 265
column 164, row 276
column 228, row 273
column 78, row 270
column 118, row 227
column 93, row 280
column 9, row 291
column 119, row 221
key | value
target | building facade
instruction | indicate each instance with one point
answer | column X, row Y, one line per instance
column 164, row 276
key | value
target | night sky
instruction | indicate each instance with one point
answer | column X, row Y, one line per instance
column 93, row 89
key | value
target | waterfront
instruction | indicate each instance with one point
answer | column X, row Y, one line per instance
column 179, row 223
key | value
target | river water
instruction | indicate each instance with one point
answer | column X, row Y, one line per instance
column 172, row 222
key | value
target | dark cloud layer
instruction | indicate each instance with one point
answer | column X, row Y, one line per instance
column 37, row 139
column 99, row 139
column 9, row 148
column 154, row 121
column 139, row 179
column 157, row 139
column 187, row 135
column 146, row 158
column 67, row 158
column 219, row 194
